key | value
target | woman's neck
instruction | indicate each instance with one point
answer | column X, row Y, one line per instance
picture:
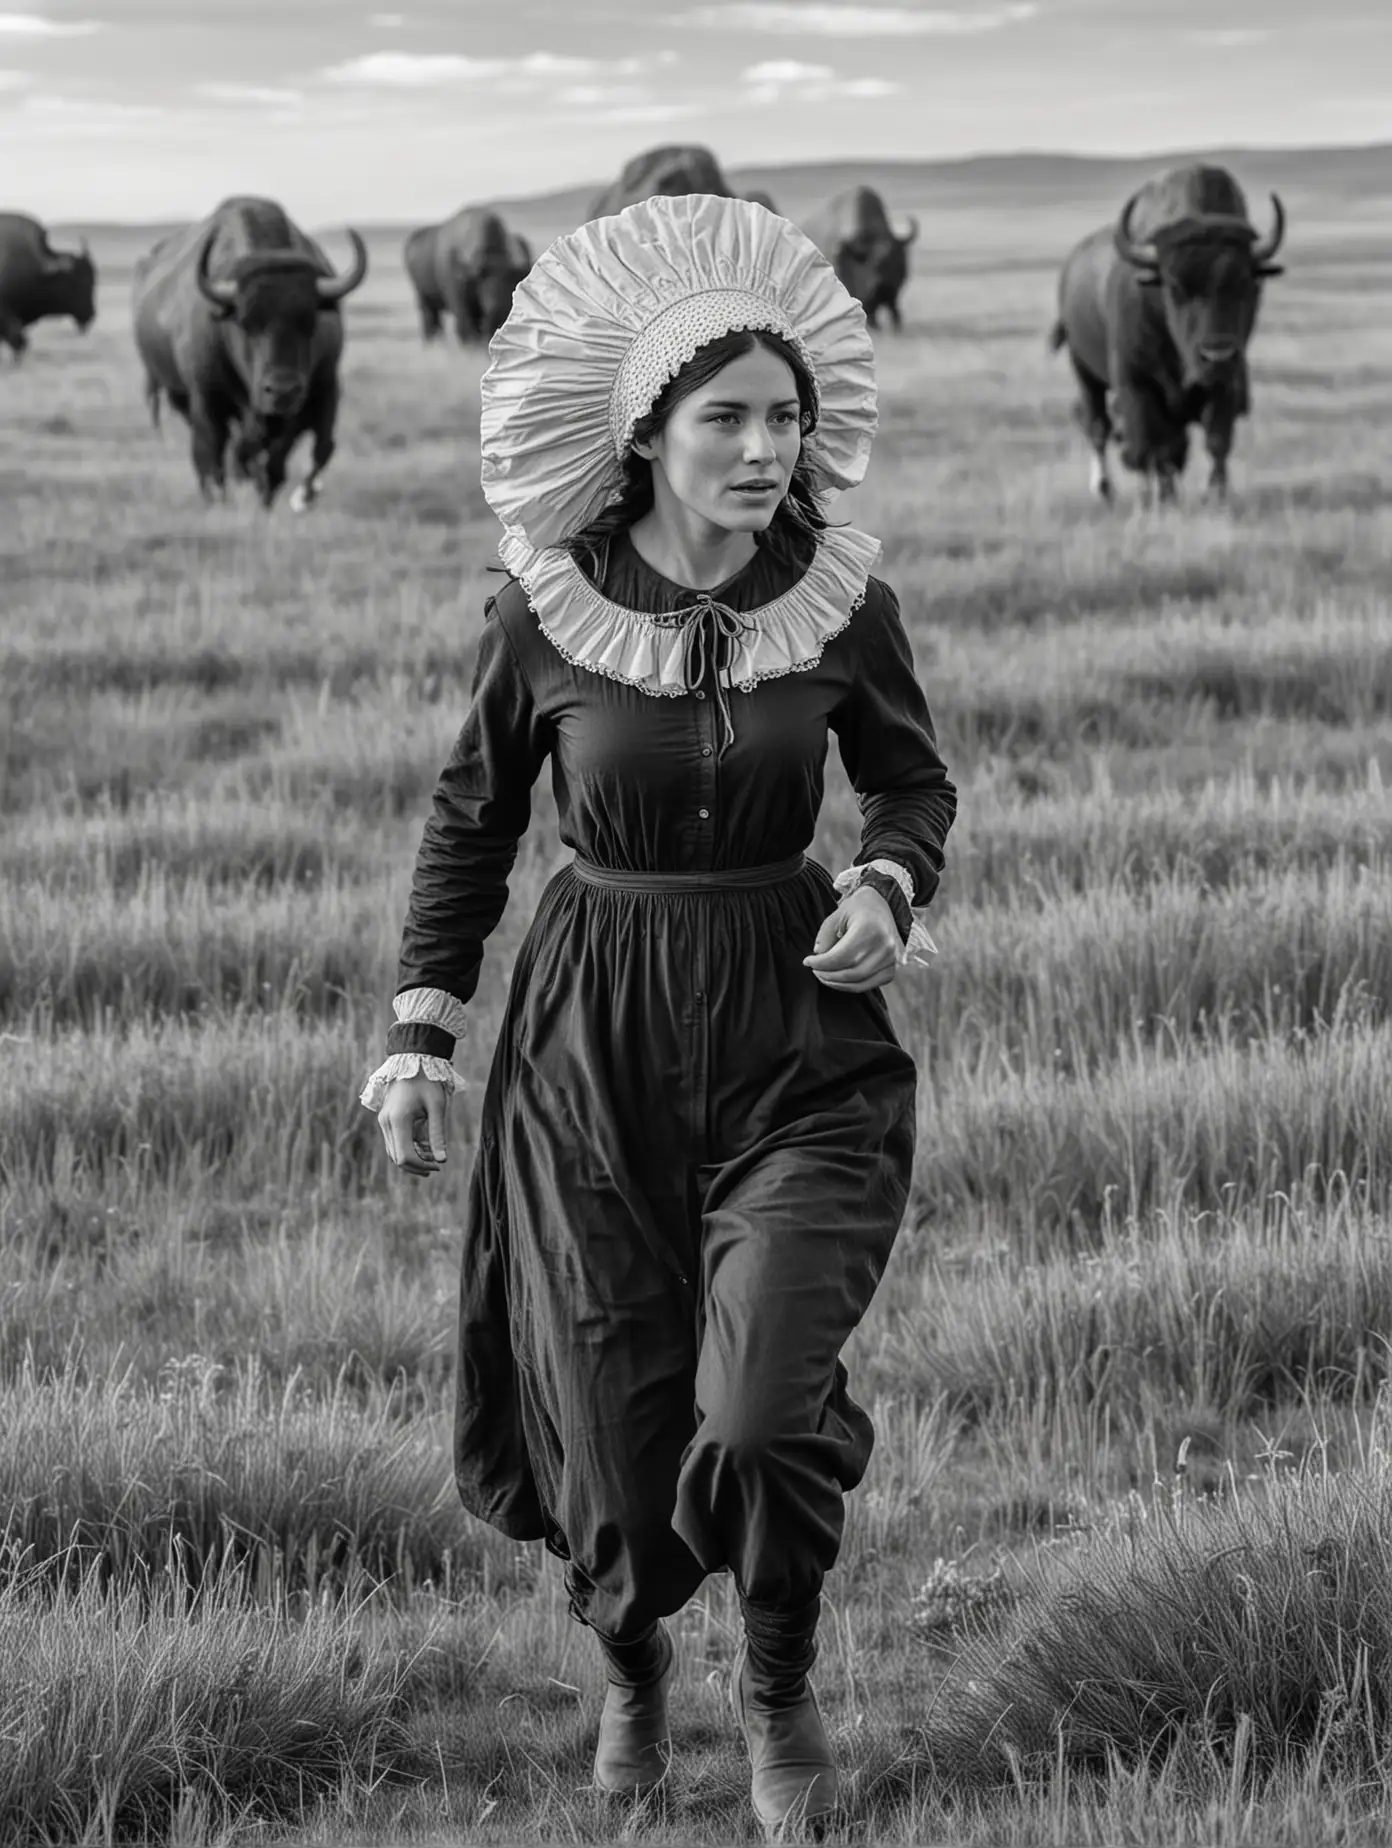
column 689, row 551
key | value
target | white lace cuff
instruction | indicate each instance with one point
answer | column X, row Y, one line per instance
column 408, row 1065
column 918, row 939
column 432, row 1007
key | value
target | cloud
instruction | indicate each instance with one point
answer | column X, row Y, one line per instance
column 410, row 70
column 14, row 80
column 786, row 70
column 595, row 95
column 858, row 22
column 386, row 22
column 781, row 79
column 1225, row 38
column 406, row 70
column 37, row 26
column 88, row 118
column 259, row 95
column 648, row 115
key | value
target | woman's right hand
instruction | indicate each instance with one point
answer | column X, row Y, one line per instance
column 412, row 1120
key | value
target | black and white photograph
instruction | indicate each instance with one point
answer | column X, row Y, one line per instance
column 696, row 923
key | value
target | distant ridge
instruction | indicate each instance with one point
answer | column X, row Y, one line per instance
column 1367, row 167
column 999, row 180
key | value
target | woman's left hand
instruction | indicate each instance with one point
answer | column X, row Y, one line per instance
column 858, row 945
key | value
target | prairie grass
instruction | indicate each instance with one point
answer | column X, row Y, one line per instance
column 1256, row 1634
column 1125, row 1366
column 129, row 1716
column 1051, row 1157
column 1226, row 1314
column 209, row 1468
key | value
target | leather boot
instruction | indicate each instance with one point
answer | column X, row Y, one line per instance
column 635, row 1740
column 793, row 1773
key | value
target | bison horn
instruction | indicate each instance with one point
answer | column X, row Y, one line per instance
column 1140, row 256
column 1266, row 250
column 222, row 295
column 912, row 231
column 333, row 288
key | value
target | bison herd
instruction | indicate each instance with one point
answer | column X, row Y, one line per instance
column 238, row 324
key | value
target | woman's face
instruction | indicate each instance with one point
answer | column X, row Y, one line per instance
column 727, row 451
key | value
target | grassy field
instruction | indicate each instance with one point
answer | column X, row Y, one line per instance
column 1120, row 1571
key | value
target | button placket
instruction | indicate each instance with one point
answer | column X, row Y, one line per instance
column 705, row 772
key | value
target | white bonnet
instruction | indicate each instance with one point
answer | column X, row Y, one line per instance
column 613, row 311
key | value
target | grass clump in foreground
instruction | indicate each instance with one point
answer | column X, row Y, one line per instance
column 1252, row 1638
column 132, row 1717
column 206, row 1471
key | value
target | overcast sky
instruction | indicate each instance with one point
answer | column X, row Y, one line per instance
column 141, row 109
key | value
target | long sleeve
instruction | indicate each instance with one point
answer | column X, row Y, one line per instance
column 889, row 748
column 482, row 805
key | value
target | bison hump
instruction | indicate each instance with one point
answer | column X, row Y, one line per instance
column 671, row 172
column 475, row 233
column 1186, row 192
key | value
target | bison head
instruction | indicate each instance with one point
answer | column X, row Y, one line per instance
column 874, row 264
column 274, row 299
column 72, row 283
column 494, row 285
column 1210, row 269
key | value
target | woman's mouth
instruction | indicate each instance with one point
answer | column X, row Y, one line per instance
column 755, row 490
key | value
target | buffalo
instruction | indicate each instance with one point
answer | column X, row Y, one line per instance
column 853, row 232
column 36, row 280
column 1156, row 312
column 467, row 267
column 757, row 196
column 237, row 323
column 666, row 172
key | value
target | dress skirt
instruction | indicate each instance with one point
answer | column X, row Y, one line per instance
column 693, row 1161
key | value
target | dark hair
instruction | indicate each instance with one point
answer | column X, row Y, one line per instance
column 798, row 517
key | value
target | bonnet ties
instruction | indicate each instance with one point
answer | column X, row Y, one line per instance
column 712, row 633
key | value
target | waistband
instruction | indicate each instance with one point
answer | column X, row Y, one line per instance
column 731, row 879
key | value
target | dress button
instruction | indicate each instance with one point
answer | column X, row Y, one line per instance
column 704, row 814
column 705, row 750
column 699, row 694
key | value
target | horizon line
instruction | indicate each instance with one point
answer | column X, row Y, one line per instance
column 944, row 162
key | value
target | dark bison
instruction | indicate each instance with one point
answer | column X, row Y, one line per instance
column 467, row 267
column 759, row 197
column 237, row 323
column 854, row 233
column 668, row 172
column 1158, row 311
column 36, row 280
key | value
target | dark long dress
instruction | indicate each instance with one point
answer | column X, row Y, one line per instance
column 693, row 1156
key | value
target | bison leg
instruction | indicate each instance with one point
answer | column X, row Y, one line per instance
column 1095, row 422
column 326, row 412
column 892, row 303
column 152, row 398
column 13, row 334
column 1219, row 416
column 246, row 453
column 209, row 450
column 430, row 322
column 268, row 469
column 1154, row 440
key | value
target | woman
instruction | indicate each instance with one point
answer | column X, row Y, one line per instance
column 697, row 1135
